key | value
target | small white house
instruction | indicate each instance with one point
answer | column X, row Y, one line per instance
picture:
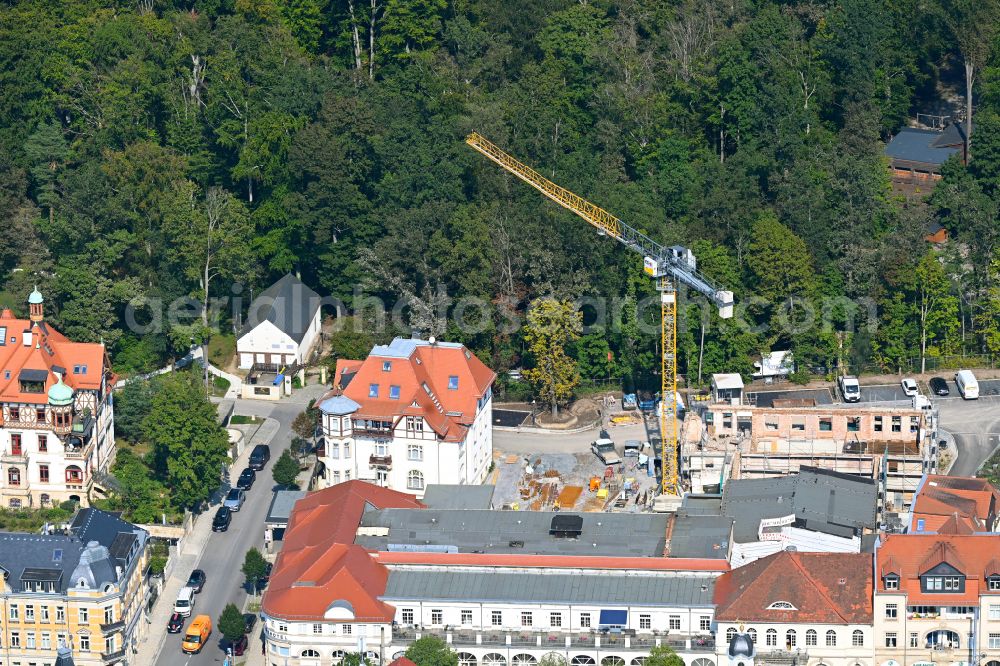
column 282, row 326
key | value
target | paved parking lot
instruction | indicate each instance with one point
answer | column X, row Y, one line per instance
column 885, row 393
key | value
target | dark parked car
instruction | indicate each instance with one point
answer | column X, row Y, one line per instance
column 196, row 580
column 222, row 519
column 239, row 646
column 259, row 456
column 262, row 583
column 249, row 620
column 176, row 624
column 939, row 386
column 247, row 477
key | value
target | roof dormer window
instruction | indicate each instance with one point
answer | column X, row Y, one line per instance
column 993, row 583
column 781, row 605
column 892, row 582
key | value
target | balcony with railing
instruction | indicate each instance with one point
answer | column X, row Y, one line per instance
column 112, row 657
column 111, row 627
column 791, row 656
column 583, row 639
column 380, row 462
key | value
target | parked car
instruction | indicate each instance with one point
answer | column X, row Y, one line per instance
column 939, row 386
column 238, row 647
column 909, row 387
column 234, row 500
column 222, row 519
column 262, row 583
column 633, row 447
column 850, row 389
column 605, row 451
column 197, row 635
column 249, row 621
column 259, row 456
column 196, row 580
column 247, row 477
column 185, row 602
column 968, row 386
column 175, row 624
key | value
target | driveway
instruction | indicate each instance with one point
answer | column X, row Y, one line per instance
column 222, row 558
column 975, row 425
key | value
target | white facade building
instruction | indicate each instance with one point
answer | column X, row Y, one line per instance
column 282, row 326
column 414, row 413
column 57, row 425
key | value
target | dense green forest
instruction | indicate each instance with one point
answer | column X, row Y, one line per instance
column 161, row 149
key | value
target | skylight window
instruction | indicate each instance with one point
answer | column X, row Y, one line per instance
column 453, row 383
column 57, row 555
column 373, row 390
column 394, row 393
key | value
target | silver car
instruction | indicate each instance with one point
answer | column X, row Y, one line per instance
column 234, row 500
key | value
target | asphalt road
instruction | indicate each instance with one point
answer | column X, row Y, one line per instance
column 222, row 559
column 975, row 425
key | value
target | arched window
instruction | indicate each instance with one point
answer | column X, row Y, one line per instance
column 639, row 661
column 415, row 481
column 338, row 656
column 701, row 661
column 730, row 634
column 45, row 499
column 309, row 652
column 612, row 661
column 522, row 659
column 858, row 638
column 790, row 638
column 582, row 660
column 781, row 605
column 831, row 638
column 753, row 635
column 14, row 476
column 74, row 474
column 494, row 659
column 811, row 637
column 466, row 659
column 772, row 638
column 554, row 659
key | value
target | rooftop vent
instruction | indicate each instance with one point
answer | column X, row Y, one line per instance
column 516, row 544
column 566, row 526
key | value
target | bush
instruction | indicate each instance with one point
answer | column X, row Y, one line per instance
column 285, row 470
column 157, row 564
column 800, row 377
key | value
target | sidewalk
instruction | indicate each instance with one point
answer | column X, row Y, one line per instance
column 190, row 556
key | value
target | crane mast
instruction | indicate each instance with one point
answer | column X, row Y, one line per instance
column 667, row 265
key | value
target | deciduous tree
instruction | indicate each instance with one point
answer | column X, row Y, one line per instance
column 551, row 326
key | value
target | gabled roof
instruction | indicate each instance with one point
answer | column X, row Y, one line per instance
column 970, row 554
column 440, row 381
column 825, row 588
column 954, row 503
column 288, row 304
column 319, row 565
column 82, row 364
column 918, row 145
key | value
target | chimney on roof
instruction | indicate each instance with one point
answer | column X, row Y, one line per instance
column 27, row 337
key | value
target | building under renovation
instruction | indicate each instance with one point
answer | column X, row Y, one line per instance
column 727, row 438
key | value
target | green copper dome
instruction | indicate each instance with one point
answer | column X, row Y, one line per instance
column 60, row 395
column 36, row 297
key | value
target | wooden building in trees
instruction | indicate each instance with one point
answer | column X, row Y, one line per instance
column 916, row 155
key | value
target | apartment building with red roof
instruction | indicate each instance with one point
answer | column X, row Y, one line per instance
column 414, row 413
column 56, row 414
column 937, row 599
column 799, row 608
column 369, row 569
column 954, row 505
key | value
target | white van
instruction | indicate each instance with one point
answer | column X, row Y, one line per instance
column 967, row 384
column 850, row 389
column 185, row 601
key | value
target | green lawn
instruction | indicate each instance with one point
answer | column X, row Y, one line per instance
column 221, row 348
column 240, row 419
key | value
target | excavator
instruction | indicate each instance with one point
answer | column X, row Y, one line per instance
column 668, row 265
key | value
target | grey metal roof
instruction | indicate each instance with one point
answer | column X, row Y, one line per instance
column 917, row 145
column 700, row 536
column 822, row 501
column 282, row 504
column 109, row 530
column 288, row 304
column 25, row 553
column 606, row 589
column 702, row 505
column 518, row 532
column 447, row 496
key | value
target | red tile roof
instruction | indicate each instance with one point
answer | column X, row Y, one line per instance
column 423, row 381
column 913, row 554
column 49, row 349
column 319, row 563
column 941, row 497
column 827, row 588
column 552, row 561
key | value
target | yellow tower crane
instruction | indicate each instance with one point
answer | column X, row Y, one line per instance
column 667, row 265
